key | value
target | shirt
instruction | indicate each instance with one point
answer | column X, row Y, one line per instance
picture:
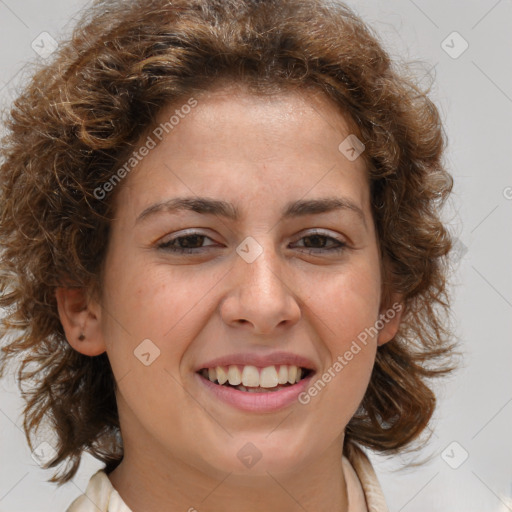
column 363, row 489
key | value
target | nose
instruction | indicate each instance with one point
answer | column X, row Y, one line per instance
column 261, row 295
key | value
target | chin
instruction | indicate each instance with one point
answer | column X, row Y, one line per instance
column 257, row 455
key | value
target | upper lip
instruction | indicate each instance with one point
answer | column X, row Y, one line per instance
column 259, row 360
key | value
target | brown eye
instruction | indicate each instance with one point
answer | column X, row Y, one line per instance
column 322, row 243
column 191, row 243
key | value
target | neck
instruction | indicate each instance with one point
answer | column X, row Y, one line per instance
column 152, row 480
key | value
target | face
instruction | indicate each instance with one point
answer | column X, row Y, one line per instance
column 192, row 291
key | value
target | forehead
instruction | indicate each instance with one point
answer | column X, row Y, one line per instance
column 255, row 120
column 237, row 145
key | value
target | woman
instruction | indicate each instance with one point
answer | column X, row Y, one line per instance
column 223, row 262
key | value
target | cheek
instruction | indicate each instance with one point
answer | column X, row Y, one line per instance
column 347, row 308
column 167, row 306
column 347, row 303
column 150, row 324
column 347, row 326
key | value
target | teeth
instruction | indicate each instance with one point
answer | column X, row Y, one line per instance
column 252, row 377
column 234, row 375
column 222, row 376
column 282, row 376
column 292, row 374
column 268, row 377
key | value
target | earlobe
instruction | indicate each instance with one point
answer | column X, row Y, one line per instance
column 389, row 320
column 81, row 319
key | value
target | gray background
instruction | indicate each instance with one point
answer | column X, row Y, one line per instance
column 474, row 94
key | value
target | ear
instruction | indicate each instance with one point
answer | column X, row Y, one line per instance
column 389, row 319
column 80, row 317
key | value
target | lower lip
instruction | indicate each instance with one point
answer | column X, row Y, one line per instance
column 269, row 401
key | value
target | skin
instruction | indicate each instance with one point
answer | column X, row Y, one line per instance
column 181, row 444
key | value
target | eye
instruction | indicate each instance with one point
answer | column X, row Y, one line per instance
column 325, row 243
column 191, row 243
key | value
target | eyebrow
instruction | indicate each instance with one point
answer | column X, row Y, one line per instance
column 208, row 206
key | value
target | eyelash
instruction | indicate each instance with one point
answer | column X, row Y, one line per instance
column 166, row 246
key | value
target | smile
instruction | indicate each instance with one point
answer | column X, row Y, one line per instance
column 250, row 388
column 251, row 379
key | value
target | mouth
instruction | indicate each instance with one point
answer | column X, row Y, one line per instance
column 252, row 379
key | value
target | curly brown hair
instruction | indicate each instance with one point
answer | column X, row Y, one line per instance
column 83, row 112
